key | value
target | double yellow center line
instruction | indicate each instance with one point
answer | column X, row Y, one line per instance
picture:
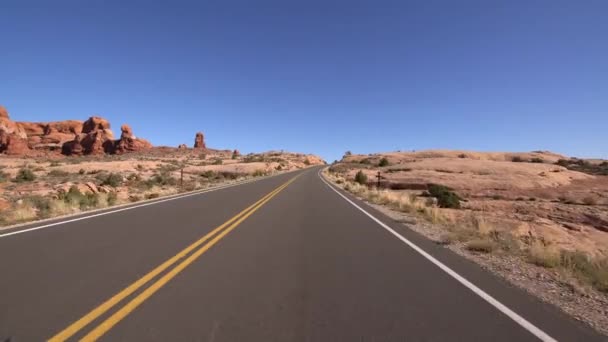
column 106, row 325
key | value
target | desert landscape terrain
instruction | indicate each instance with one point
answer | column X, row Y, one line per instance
column 539, row 219
column 52, row 169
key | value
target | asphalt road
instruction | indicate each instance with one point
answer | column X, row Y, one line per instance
column 302, row 264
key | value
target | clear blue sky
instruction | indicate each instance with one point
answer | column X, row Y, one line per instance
column 317, row 76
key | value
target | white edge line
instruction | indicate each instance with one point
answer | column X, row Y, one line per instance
column 481, row 293
column 172, row 198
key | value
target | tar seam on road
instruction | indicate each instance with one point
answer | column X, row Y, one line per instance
column 232, row 223
column 172, row 198
column 485, row 296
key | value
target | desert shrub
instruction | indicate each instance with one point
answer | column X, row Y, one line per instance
column 383, row 162
column 361, row 178
column 162, row 178
column 228, row 175
column 517, row 159
column 537, row 160
column 58, row 173
column 497, row 197
column 152, row 195
column 594, row 272
column 82, row 171
column 306, row 161
column 218, row 162
column 532, row 199
column 113, row 180
column 25, row 175
column 55, row 163
column 520, row 199
column 365, row 161
column 543, row 256
column 234, row 155
column 253, row 158
column 3, row 176
column 481, row 245
column 42, row 205
column 139, row 167
column 112, row 198
column 462, row 156
column 259, row 173
column 208, row 174
column 402, row 169
column 84, row 201
column 348, row 153
column 446, row 198
column 279, row 167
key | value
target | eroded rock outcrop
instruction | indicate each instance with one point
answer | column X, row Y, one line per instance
column 70, row 137
column 199, row 141
column 50, row 135
column 96, row 138
column 13, row 138
column 128, row 142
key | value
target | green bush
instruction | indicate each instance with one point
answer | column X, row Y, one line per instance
column 446, row 198
column 25, row 175
column 113, row 180
column 361, row 178
column 383, row 162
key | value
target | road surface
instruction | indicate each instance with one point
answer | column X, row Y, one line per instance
column 284, row 258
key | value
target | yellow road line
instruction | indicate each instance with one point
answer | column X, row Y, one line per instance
column 134, row 303
column 101, row 309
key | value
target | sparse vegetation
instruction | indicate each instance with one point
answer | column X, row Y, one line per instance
column 481, row 245
column 537, row 160
column 58, row 173
column 25, row 175
column 113, row 180
column 361, row 177
column 517, row 159
column 446, row 198
column 4, row 176
column 383, row 162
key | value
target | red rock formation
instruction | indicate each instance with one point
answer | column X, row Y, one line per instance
column 95, row 123
column 96, row 138
column 129, row 143
column 13, row 138
column 199, row 141
column 73, row 137
column 236, row 153
column 73, row 147
column 50, row 135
